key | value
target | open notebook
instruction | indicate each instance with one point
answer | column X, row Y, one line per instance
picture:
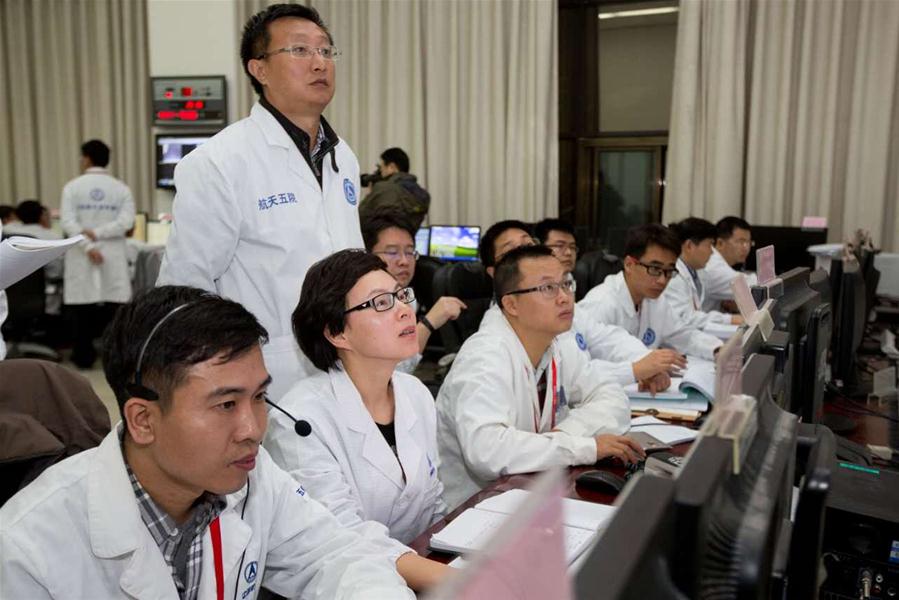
column 692, row 391
column 471, row 530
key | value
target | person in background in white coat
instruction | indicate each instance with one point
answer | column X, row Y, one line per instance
column 268, row 196
column 622, row 355
column 95, row 280
column 633, row 299
column 733, row 243
column 179, row 500
column 372, row 453
column 388, row 233
column 686, row 293
column 516, row 400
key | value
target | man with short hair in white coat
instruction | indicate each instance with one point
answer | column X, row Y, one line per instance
column 733, row 243
column 633, row 298
column 515, row 399
column 687, row 292
column 179, row 500
column 96, row 280
column 268, row 196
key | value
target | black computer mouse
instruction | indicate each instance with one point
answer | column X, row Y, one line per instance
column 601, row 481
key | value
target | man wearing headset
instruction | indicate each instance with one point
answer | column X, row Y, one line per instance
column 180, row 500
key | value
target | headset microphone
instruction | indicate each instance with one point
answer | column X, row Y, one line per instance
column 301, row 426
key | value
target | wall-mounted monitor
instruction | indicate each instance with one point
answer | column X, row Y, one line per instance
column 190, row 100
column 454, row 242
column 170, row 149
column 423, row 240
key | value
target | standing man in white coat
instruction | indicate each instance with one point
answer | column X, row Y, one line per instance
column 179, row 500
column 632, row 299
column 270, row 195
column 96, row 280
column 516, row 400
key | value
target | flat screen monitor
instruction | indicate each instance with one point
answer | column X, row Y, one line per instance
column 170, row 149
column 454, row 242
column 423, row 241
column 851, row 315
column 158, row 232
column 790, row 245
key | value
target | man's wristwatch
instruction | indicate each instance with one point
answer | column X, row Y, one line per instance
column 424, row 321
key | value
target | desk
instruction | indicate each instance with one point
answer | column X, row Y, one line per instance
column 869, row 429
column 512, row 482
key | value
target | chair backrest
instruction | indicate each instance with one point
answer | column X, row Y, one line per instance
column 27, row 299
column 469, row 282
column 423, row 282
column 592, row 268
column 146, row 268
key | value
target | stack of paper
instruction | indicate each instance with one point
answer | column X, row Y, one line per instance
column 471, row 530
column 662, row 431
column 21, row 256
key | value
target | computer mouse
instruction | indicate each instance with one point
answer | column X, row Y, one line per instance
column 601, row 481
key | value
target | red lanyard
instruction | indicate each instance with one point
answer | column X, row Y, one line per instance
column 215, row 531
column 537, row 415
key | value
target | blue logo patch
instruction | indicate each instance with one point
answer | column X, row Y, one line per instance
column 349, row 190
column 649, row 336
column 581, row 342
column 97, row 194
column 301, row 491
column 267, row 202
column 250, row 572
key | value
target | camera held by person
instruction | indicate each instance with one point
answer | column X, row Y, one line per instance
column 393, row 186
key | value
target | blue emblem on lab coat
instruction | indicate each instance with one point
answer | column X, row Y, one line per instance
column 581, row 342
column 649, row 337
column 97, row 194
column 349, row 190
column 250, row 572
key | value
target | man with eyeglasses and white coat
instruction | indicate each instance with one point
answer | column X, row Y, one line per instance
column 516, row 400
column 632, row 298
column 270, row 195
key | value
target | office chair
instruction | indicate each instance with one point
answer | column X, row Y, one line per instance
column 469, row 282
column 47, row 413
column 423, row 281
column 592, row 268
column 27, row 301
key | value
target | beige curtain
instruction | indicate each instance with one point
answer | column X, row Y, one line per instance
column 814, row 105
column 468, row 88
column 72, row 71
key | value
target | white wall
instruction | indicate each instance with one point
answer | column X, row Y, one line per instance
column 193, row 37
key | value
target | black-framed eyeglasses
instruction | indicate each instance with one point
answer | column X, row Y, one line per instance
column 656, row 271
column 384, row 302
column 396, row 254
column 303, row 51
column 550, row 289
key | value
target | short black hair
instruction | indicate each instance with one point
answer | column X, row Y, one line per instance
column 29, row 211
column 542, row 229
column 694, row 229
column 725, row 227
column 398, row 157
column 6, row 211
column 96, row 151
column 379, row 220
column 485, row 247
column 209, row 326
column 256, row 36
column 323, row 302
column 640, row 237
column 507, row 275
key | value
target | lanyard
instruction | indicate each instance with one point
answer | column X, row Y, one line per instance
column 215, row 531
column 555, row 403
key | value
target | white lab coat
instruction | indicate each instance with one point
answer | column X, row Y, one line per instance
column 97, row 200
column 4, row 310
column 716, row 278
column 346, row 464
column 656, row 324
column 250, row 219
column 76, row 532
column 614, row 348
column 487, row 411
column 687, row 301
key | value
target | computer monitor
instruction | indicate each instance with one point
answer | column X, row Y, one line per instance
column 158, row 232
column 851, row 314
column 454, row 242
column 807, row 399
column 758, row 376
column 170, row 149
column 790, row 245
column 423, row 240
column 729, row 527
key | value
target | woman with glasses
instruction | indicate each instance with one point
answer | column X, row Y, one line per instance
column 633, row 299
column 372, row 453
